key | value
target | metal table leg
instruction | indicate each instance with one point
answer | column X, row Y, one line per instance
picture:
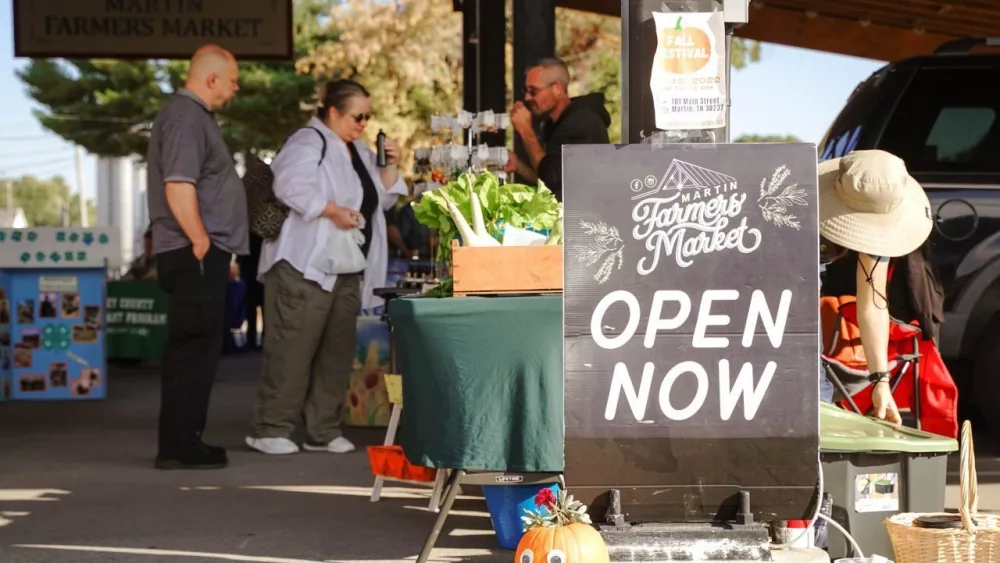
column 449, row 499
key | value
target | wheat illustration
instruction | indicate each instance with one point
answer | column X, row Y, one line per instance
column 607, row 246
column 776, row 199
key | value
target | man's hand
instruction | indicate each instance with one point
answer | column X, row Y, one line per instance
column 200, row 247
column 182, row 199
column 512, row 163
column 520, row 118
column 885, row 405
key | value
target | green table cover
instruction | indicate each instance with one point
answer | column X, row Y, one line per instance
column 482, row 381
column 137, row 320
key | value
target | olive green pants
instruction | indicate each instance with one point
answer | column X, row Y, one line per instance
column 309, row 346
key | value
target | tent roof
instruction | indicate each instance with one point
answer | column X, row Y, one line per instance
column 877, row 29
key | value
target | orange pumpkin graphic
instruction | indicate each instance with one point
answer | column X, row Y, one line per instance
column 560, row 533
column 684, row 50
column 575, row 543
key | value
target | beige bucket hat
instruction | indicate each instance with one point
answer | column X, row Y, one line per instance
column 869, row 203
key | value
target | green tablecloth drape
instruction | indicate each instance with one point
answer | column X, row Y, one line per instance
column 482, row 381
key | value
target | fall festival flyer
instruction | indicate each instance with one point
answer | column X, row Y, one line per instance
column 688, row 79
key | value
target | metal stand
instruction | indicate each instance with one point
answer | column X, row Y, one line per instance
column 463, row 476
column 742, row 540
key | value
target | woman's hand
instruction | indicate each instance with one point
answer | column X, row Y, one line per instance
column 342, row 217
column 391, row 152
column 885, row 405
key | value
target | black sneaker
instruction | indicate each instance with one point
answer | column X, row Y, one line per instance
column 214, row 449
column 200, row 458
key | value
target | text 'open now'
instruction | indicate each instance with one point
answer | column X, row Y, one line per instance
column 730, row 391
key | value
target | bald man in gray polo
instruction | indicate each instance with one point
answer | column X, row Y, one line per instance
column 198, row 211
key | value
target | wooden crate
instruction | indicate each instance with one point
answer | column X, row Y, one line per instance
column 497, row 270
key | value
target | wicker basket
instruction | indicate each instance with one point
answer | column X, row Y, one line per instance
column 977, row 541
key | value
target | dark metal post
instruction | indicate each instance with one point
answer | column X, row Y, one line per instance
column 638, row 46
column 534, row 38
column 484, row 59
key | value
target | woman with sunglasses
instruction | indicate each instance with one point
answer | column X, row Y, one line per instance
column 327, row 177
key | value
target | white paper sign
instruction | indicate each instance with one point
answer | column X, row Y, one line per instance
column 512, row 236
column 688, row 79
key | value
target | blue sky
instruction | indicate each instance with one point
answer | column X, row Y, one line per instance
column 790, row 91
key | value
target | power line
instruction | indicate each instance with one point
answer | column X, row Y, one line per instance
column 46, row 153
column 30, row 138
column 18, row 166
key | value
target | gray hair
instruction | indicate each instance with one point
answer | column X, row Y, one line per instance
column 555, row 68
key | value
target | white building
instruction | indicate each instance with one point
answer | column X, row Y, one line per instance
column 121, row 201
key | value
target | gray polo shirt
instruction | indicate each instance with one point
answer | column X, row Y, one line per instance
column 186, row 146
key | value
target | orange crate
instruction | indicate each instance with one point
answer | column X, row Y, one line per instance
column 391, row 463
column 494, row 270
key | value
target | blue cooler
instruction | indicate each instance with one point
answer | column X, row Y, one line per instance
column 507, row 504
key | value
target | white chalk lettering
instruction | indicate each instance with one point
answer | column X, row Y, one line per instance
column 730, row 392
column 597, row 319
column 774, row 324
column 657, row 322
column 775, row 327
column 729, row 395
column 664, row 225
column 707, row 319
column 668, row 384
column 621, row 382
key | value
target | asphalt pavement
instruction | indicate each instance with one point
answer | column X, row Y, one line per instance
column 77, row 486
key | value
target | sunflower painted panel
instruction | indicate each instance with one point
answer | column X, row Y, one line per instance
column 367, row 399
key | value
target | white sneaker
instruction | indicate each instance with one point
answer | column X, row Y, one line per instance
column 338, row 445
column 273, row 446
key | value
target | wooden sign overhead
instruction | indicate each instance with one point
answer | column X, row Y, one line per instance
column 152, row 29
column 691, row 329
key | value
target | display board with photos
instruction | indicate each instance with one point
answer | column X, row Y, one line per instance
column 52, row 312
column 56, row 335
column 691, row 329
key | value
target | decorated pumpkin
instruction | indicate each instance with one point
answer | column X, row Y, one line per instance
column 684, row 50
column 559, row 531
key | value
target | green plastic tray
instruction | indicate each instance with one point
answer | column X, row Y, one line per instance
column 843, row 431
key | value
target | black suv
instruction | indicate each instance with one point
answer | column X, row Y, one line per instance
column 941, row 114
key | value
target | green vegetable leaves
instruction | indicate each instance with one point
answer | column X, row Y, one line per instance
column 517, row 205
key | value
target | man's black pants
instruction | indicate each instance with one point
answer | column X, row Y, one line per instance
column 196, row 320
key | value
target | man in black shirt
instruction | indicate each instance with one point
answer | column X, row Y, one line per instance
column 568, row 121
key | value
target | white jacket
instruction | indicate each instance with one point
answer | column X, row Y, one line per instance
column 306, row 188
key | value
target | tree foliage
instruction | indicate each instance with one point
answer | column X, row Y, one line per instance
column 406, row 52
column 44, row 201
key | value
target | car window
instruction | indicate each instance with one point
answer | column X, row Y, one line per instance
column 850, row 124
column 946, row 121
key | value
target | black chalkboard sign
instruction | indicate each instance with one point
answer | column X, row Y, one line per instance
column 692, row 328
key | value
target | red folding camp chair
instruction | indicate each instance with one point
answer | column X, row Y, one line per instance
column 844, row 362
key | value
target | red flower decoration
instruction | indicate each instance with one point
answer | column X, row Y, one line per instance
column 545, row 497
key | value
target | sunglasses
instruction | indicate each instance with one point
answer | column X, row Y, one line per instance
column 534, row 91
column 362, row 117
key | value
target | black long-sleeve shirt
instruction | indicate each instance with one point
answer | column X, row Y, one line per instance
column 585, row 122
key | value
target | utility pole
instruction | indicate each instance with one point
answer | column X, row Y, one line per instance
column 79, row 185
